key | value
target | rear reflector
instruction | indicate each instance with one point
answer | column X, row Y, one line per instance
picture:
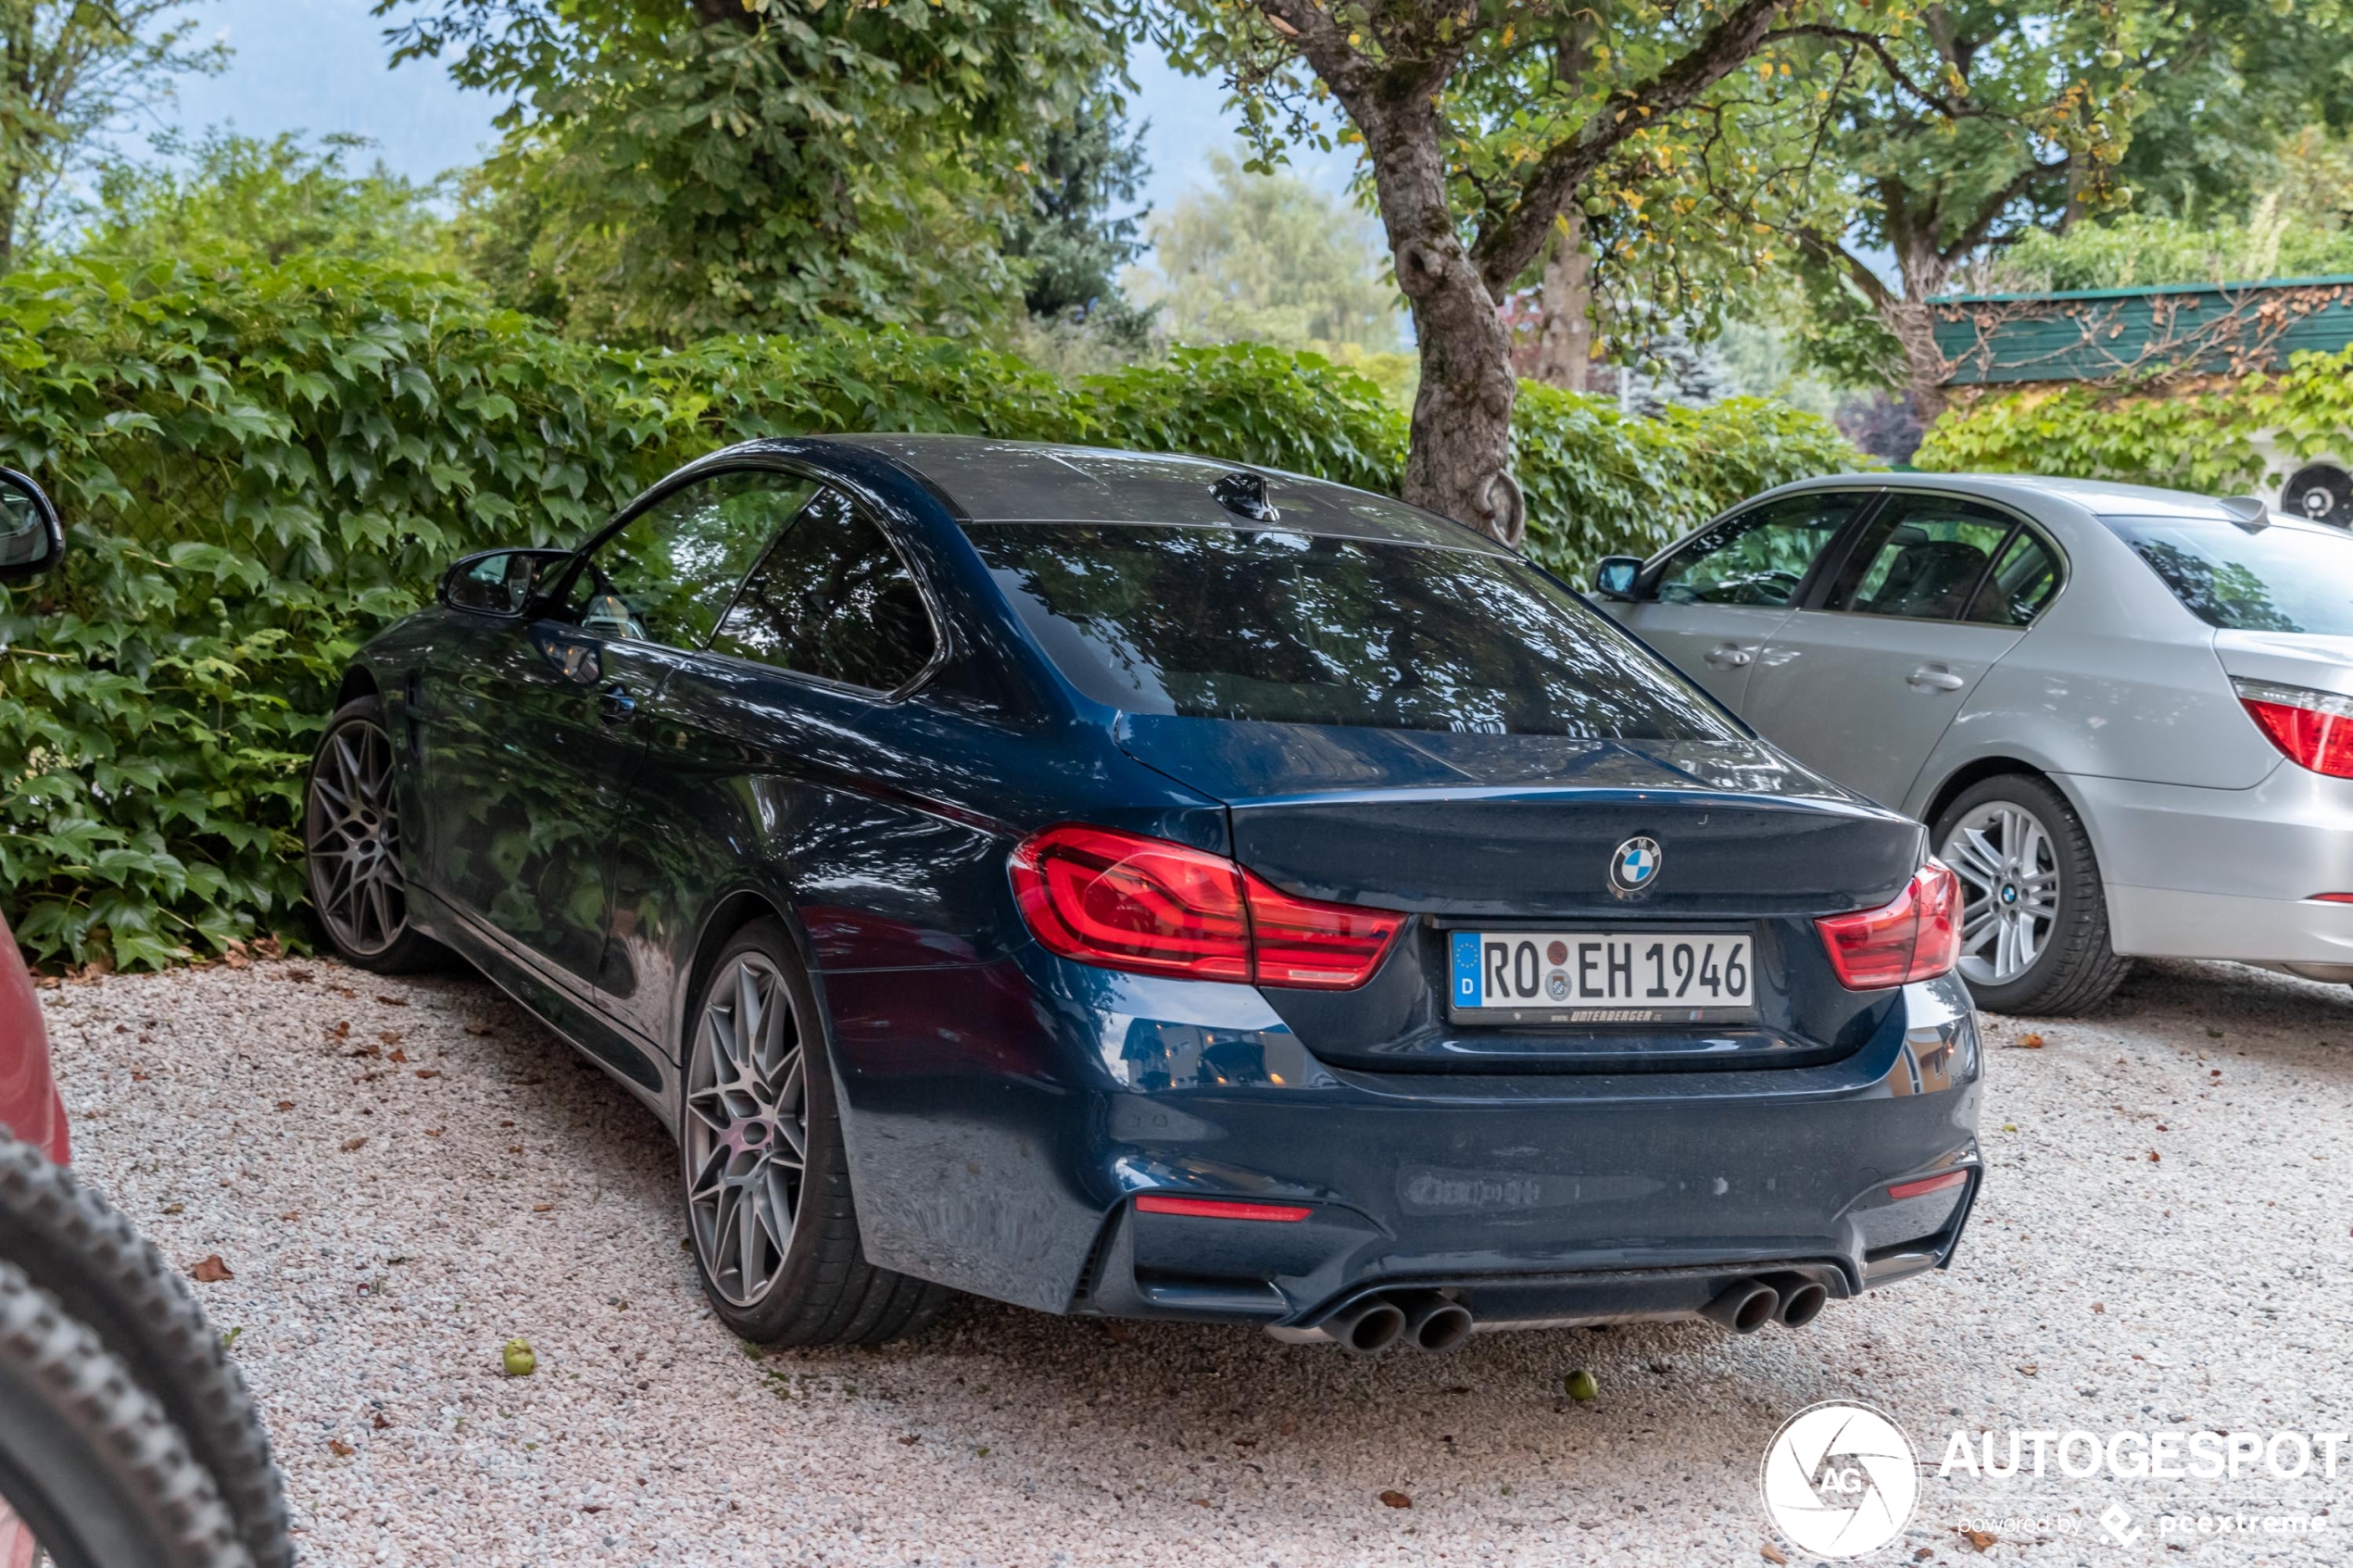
column 2312, row 729
column 1915, row 937
column 1121, row 900
column 1219, row 1208
column 1928, row 1184
column 2332, row 897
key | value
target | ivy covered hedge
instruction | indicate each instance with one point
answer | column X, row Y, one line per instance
column 260, row 468
column 2203, row 441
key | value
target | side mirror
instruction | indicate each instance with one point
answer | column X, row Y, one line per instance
column 32, row 539
column 1614, row 576
column 500, row 581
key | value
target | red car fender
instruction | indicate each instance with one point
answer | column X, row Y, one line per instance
column 29, row 1104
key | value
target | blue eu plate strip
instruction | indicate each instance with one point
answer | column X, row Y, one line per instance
column 1466, row 957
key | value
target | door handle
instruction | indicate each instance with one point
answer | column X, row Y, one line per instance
column 1935, row 677
column 1728, row 656
column 616, row 707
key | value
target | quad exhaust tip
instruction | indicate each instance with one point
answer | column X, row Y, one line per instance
column 1791, row 1300
column 1423, row 1320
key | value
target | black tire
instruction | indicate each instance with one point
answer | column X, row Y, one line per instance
column 818, row 1288
column 82, row 1251
column 352, row 851
column 2075, row 969
column 89, row 1461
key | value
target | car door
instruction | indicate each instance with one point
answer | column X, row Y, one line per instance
column 779, row 740
column 1934, row 590
column 530, row 735
column 1713, row 602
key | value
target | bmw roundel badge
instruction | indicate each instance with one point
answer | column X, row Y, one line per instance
column 1634, row 866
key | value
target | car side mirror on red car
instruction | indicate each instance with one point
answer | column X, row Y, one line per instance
column 32, row 539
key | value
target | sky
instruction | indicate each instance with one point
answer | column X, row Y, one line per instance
column 321, row 66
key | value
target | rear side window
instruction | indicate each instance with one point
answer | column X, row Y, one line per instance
column 2022, row 583
column 2283, row 578
column 831, row 599
column 1294, row 628
column 1923, row 558
column 1757, row 556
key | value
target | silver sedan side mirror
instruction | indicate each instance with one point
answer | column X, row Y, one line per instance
column 32, row 539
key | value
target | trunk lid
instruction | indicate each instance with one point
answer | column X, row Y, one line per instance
column 1518, row 832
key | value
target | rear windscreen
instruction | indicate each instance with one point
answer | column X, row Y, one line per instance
column 1304, row 629
column 2278, row 578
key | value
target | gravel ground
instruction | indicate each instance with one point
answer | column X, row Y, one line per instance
column 403, row 1174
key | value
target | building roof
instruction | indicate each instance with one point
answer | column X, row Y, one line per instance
column 2115, row 336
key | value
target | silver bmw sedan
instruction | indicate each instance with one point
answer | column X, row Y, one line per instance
column 2125, row 713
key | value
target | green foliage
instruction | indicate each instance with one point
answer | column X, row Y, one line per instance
column 670, row 172
column 237, row 196
column 1268, row 259
column 261, row 467
column 2200, row 440
column 1066, row 238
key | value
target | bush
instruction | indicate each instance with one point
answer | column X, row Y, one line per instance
column 2202, row 441
column 261, row 467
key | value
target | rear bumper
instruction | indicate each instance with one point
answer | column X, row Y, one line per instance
column 1536, row 1199
column 2225, row 873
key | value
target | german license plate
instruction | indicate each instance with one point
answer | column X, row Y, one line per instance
column 1602, row 976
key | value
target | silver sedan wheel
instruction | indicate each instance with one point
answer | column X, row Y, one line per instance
column 746, row 1130
column 353, row 839
column 2011, row 885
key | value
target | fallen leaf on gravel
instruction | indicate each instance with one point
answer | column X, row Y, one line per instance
column 480, row 1029
column 1978, row 1539
column 175, row 1208
column 1770, row 1553
column 340, row 1449
column 2098, row 1308
column 139, row 1077
column 2010, row 1126
column 2153, row 1157
column 1582, row 1387
column 1396, row 1498
column 435, row 1132
column 297, row 975
column 390, row 1036
column 381, row 1422
column 392, row 1001
column 1924, row 1554
column 514, row 1149
column 210, row 1269
column 592, row 1508
column 516, row 1357
column 2030, row 1042
column 506, row 1123
column 230, row 1337
column 340, row 1031
column 350, row 1143
column 542, row 1208
column 291, row 1214
column 910, row 1440
column 343, row 990
column 267, row 947
column 2030, row 1368
column 397, row 1056
column 234, row 955
column 428, row 1072
column 285, row 1105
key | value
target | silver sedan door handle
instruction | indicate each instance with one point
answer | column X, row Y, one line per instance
column 1935, row 677
column 1728, row 656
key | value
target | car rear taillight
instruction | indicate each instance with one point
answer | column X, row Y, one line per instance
column 1927, row 1185
column 2313, row 729
column 1915, row 937
column 1221, row 1209
column 1124, row 901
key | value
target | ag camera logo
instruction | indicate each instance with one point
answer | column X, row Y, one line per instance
column 1840, row 1479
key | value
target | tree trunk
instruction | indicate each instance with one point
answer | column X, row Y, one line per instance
column 1564, row 331
column 1908, row 317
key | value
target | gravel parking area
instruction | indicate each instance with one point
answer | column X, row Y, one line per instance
column 401, row 1175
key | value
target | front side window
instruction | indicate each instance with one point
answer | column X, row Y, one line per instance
column 834, row 600
column 668, row 575
column 2283, row 578
column 1758, row 556
column 1922, row 557
column 1294, row 628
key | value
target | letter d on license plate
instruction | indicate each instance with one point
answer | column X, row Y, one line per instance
column 1601, row 977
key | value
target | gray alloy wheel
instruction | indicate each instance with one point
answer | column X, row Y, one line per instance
column 351, row 845
column 746, row 1131
column 2034, row 935
column 2010, row 889
column 769, row 1213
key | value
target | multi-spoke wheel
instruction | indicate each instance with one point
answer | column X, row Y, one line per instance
column 2034, row 916
column 767, row 1181
column 2010, row 887
column 747, row 1132
column 351, row 843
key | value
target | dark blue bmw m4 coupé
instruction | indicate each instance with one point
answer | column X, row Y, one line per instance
column 1151, row 887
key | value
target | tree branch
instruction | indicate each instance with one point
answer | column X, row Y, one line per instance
column 1995, row 205
column 1504, row 251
